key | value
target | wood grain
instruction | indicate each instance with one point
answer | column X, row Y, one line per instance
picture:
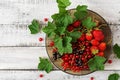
column 21, row 57
column 19, row 36
column 24, row 11
column 54, row 75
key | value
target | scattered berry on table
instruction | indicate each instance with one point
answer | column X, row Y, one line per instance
column 46, row 19
column 92, row 78
column 41, row 75
column 109, row 61
column 40, row 39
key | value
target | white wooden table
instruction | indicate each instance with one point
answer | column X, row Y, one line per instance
column 20, row 51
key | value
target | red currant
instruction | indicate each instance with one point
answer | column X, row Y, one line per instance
column 40, row 39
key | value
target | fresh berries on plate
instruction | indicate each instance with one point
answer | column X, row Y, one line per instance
column 76, row 24
column 89, row 36
column 102, row 46
column 98, row 35
column 95, row 42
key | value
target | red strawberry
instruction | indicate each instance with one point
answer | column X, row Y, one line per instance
column 98, row 35
column 82, row 38
column 94, row 42
column 101, row 54
column 89, row 36
column 94, row 49
column 70, row 28
column 102, row 46
column 76, row 23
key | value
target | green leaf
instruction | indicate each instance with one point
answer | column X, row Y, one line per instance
column 45, row 64
column 67, row 46
column 75, row 35
column 81, row 12
column 59, row 44
column 50, row 29
column 116, row 50
column 114, row 76
column 63, row 44
column 62, row 19
column 96, row 63
column 34, row 27
column 88, row 23
column 62, row 4
column 61, row 30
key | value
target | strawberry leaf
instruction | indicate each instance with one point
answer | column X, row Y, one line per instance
column 88, row 23
column 67, row 46
column 114, row 76
column 75, row 35
column 45, row 64
column 58, row 44
column 50, row 29
column 81, row 12
column 62, row 4
column 63, row 44
column 34, row 27
column 62, row 19
column 116, row 50
column 96, row 63
column 61, row 30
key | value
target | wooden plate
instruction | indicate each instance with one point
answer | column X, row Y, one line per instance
column 108, row 39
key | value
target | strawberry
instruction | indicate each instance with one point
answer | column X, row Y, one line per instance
column 82, row 38
column 94, row 42
column 98, row 35
column 70, row 28
column 102, row 46
column 94, row 49
column 89, row 36
column 76, row 23
column 101, row 54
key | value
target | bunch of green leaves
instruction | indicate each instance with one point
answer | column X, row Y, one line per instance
column 114, row 76
column 57, row 28
column 116, row 49
column 96, row 63
column 45, row 64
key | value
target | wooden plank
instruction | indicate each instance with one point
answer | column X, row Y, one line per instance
column 55, row 75
column 19, row 35
column 21, row 57
column 28, row 58
column 23, row 11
